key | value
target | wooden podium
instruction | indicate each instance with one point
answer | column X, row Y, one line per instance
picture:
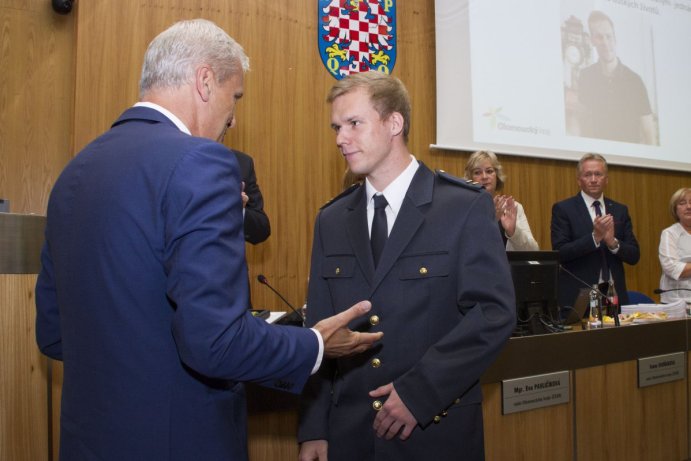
column 24, row 406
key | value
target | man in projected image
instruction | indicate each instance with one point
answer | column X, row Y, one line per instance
column 614, row 100
column 592, row 233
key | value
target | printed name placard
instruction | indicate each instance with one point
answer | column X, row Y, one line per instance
column 531, row 392
column 661, row 369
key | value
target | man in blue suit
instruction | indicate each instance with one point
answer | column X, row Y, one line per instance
column 435, row 269
column 593, row 234
column 143, row 287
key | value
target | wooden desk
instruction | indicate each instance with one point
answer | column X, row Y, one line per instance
column 623, row 423
column 608, row 417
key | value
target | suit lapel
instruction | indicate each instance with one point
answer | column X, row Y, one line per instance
column 408, row 221
column 584, row 218
column 358, row 235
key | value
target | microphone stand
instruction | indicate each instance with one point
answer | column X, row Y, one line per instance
column 597, row 290
column 263, row 280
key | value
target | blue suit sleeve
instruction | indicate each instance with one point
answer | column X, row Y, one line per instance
column 207, row 281
column 48, row 336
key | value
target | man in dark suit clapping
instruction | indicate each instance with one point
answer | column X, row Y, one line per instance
column 593, row 234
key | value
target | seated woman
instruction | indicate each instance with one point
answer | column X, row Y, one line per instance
column 484, row 168
column 675, row 249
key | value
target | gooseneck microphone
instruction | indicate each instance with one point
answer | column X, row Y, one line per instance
column 583, row 282
column 658, row 291
column 262, row 279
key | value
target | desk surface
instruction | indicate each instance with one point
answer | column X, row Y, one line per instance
column 532, row 355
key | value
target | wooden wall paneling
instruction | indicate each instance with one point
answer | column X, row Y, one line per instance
column 36, row 101
column 283, row 122
column 23, row 396
column 616, row 420
column 544, row 433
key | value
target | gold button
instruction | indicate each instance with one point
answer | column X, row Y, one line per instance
column 376, row 363
column 423, row 270
column 377, row 405
column 457, row 401
column 437, row 419
column 338, row 270
column 444, row 413
column 374, row 320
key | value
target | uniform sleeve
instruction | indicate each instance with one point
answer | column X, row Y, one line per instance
column 315, row 400
column 485, row 296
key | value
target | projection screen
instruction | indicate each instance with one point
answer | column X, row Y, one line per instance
column 555, row 79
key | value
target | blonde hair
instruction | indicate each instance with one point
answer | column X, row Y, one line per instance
column 480, row 156
column 387, row 93
column 587, row 157
column 676, row 198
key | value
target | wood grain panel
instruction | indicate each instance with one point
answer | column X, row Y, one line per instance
column 36, row 101
column 619, row 421
column 283, row 124
column 544, row 433
column 23, row 396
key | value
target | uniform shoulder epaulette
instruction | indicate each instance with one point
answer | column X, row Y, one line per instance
column 467, row 183
column 347, row 191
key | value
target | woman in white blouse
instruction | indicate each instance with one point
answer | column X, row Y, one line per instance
column 675, row 249
column 484, row 168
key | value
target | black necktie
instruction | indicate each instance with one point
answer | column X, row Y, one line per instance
column 603, row 254
column 598, row 210
column 380, row 231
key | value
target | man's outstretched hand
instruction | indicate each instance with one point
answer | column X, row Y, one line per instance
column 339, row 341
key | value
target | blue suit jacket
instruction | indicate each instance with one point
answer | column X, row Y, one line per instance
column 572, row 229
column 443, row 297
column 143, row 295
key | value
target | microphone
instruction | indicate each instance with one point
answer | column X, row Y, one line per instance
column 263, row 280
column 658, row 291
column 592, row 287
column 583, row 282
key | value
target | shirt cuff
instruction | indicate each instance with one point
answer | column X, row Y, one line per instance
column 320, row 355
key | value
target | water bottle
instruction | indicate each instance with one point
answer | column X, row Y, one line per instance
column 595, row 315
column 613, row 302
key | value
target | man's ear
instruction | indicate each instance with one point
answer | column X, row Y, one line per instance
column 396, row 121
column 203, row 79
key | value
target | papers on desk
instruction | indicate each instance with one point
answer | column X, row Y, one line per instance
column 642, row 313
column 273, row 316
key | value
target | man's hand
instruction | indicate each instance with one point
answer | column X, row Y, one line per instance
column 339, row 341
column 313, row 450
column 394, row 417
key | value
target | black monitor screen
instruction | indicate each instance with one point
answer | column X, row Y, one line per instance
column 535, row 275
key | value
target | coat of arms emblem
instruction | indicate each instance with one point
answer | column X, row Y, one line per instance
column 357, row 35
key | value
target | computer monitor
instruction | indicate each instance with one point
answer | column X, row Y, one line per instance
column 535, row 280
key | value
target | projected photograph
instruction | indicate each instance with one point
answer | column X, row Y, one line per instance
column 609, row 74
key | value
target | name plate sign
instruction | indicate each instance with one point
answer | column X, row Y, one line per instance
column 661, row 369
column 531, row 392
